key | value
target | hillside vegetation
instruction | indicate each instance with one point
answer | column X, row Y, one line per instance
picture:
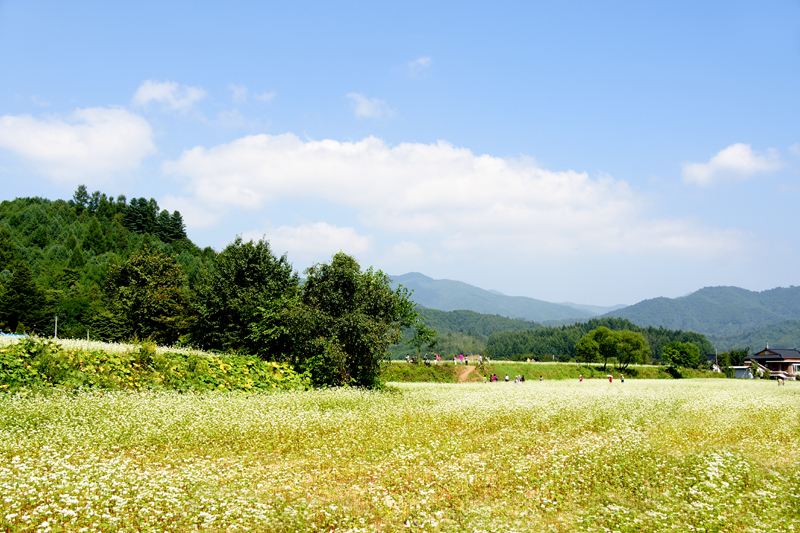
column 718, row 311
column 107, row 269
column 781, row 335
column 559, row 342
column 449, row 295
column 460, row 331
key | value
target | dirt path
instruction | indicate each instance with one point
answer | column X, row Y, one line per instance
column 465, row 372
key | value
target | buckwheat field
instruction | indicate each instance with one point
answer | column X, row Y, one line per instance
column 690, row 455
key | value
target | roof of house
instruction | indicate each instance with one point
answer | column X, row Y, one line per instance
column 772, row 353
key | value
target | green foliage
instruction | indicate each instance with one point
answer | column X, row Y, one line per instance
column 424, row 337
column 34, row 363
column 459, row 331
column 561, row 341
column 68, row 248
column 782, row 335
column 22, row 301
column 244, row 284
column 632, row 348
column 719, row 311
column 350, row 313
column 147, row 293
column 681, row 355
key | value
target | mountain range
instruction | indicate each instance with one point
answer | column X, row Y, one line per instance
column 717, row 311
column 730, row 316
column 449, row 295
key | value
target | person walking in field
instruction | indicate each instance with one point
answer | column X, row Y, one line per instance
column 541, row 378
column 581, row 378
column 506, row 378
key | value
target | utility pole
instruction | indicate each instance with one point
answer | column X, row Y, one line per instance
column 55, row 333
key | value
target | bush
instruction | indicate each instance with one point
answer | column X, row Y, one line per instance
column 36, row 363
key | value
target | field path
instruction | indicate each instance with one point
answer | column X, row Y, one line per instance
column 464, row 374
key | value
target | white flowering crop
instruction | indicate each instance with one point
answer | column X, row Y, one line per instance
column 704, row 455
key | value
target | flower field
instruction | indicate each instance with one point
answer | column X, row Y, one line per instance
column 646, row 455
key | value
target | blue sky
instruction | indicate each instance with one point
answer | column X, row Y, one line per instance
column 594, row 152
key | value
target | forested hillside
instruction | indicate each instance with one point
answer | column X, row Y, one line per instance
column 449, row 295
column 55, row 257
column 107, row 269
column 719, row 311
column 783, row 335
column 460, row 331
column 560, row 342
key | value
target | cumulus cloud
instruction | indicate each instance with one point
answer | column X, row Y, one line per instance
column 169, row 94
column 737, row 162
column 369, row 107
column 419, row 64
column 90, row 145
column 316, row 241
column 453, row 199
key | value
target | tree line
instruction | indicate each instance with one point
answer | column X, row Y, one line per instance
column 113, row 270
column 560, row 342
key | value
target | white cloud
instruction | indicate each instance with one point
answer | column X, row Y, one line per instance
column 795, row 149
column 737, row 162
column 40, row 103
column 92, row 144
column 456, row 201
column 315, row 242
column 370, row 107
column 419, row 64
column 238, row 93
column 265, row 97
column 169, row 94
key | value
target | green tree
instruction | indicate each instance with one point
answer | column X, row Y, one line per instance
column 147, row 292
column 423, row 337
column 241, row 289
column 681, row 355
column 80, row 199
column 632, row 348
column 587, row 350
column 23, row 301
column 94, row 240
column 76, row 260
column 9, row 252
column 352, row 315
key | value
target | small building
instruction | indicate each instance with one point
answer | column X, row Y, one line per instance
column 742, row 372
column 781, row 362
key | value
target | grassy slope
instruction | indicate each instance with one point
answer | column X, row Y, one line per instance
column 448, row 373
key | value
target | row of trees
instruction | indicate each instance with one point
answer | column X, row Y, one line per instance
column 336, row 325
column 623, row 347
column 562, row 341
column 116, row 271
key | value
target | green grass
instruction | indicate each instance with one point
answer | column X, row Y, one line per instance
column 652, row 455
column 448, row 373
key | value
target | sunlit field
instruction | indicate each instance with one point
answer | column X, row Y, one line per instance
column 706, row 455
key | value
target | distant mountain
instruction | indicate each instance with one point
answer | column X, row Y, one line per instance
column 594, row 309
column 717, row 311
column 449, row 295
column 782, row 335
